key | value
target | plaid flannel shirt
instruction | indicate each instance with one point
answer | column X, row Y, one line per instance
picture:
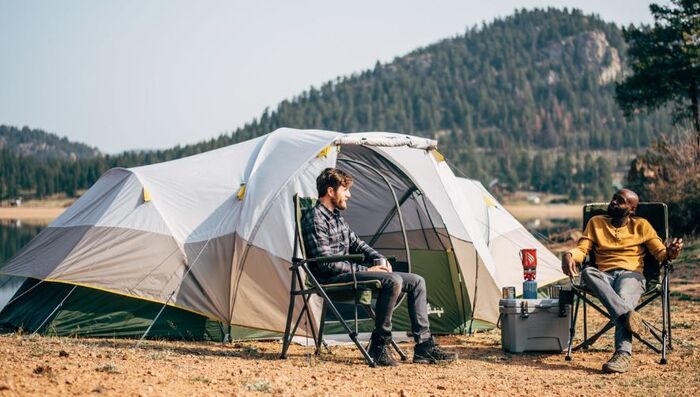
column 326, row 234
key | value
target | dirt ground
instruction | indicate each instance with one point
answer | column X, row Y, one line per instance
column 69, row 366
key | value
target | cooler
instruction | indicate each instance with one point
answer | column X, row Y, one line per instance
column 534, row 325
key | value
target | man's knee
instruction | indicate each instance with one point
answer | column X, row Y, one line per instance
column 392, row 282
column 414, row 282
column 631, row 286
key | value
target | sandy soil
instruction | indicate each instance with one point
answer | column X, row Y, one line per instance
column 36, row 214
column 551, row 211
column 48, row 213
column 67, row 366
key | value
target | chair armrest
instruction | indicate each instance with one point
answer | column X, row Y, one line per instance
column 329, row 259
column 337, row 258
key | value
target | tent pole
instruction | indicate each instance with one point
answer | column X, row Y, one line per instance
column 396, row 203
column 476, row 289
column 390, row 216
column 432, row 224
column 54, row 310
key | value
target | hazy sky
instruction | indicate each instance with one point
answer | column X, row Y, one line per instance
column 152, row 74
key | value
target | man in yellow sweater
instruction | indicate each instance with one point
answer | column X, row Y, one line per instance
column 619, row 240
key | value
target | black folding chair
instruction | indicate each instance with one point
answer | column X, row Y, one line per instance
column 304, row 284
column 657, row 215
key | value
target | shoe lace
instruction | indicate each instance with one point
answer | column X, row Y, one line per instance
column 437, row 352
column 619, row 358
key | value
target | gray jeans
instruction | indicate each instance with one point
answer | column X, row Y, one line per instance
column 392, row 285
column 619, row 291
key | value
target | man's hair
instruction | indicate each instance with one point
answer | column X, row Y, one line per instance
column 332, row 177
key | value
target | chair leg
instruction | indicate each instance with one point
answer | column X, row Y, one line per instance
column 667, row 290
column 290, row 313
column 572, row 329
column 585, row 321
column 396, row 347
column 665, row 314
column 321, row 327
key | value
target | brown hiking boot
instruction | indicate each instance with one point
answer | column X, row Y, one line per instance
column 634, row 322
column 619, row 363
column 380, row 351
column 430, row 352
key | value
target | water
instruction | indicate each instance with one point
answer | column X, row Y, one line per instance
column 13, row 236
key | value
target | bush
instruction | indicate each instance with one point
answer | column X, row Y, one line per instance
column 670, row 172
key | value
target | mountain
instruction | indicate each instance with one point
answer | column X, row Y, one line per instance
column 539, row 78
column 527, row 99
column 41, row 144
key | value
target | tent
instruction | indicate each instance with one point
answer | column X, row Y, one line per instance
column 200, row 247
column 505, row 236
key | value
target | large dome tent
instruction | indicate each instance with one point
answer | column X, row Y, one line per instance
column 204, row 243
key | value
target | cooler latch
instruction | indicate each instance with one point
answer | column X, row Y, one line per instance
column 524, row 312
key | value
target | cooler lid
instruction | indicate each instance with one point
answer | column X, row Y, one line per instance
column 539, row 303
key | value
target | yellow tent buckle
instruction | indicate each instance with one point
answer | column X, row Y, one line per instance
column 324, row 152
column 438, row 156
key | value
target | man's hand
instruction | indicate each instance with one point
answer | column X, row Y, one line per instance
column 568, row 265
column 674, row 248
column 380, row 268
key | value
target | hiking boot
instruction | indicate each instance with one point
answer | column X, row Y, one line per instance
column 429, row 352
column 619, row 363
column 380, row 351
column 634, row 322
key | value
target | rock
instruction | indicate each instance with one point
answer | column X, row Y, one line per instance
column 99, row 389
column 5, row 387
column 441, row 387
column 43, row 370
column 63, row 353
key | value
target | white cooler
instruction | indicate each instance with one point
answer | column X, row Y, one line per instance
column 534, row 325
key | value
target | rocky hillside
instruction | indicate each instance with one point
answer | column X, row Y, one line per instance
column 40, row 144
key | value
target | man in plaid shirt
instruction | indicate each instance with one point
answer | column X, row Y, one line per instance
column 326, row 234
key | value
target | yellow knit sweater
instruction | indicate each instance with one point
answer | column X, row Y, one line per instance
column 619, row 247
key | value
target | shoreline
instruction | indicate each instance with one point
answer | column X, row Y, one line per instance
column 547, row 211
column 32, row 215
column 520, row 211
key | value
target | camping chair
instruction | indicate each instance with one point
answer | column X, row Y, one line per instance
column 304, row 284
column 657, row 215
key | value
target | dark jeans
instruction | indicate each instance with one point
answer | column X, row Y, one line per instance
column 619, row 291
column 393, row 284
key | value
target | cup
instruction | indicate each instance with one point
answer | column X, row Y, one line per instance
column 381, row 262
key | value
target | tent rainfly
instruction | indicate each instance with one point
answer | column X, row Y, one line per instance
column 203, row 244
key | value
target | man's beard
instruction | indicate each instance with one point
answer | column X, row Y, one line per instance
column 338, row 204
column 617, row 212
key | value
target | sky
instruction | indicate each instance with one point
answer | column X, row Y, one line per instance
column 152, row 74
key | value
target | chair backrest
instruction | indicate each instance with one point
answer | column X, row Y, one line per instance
column 301, row 206
column 655, row 213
